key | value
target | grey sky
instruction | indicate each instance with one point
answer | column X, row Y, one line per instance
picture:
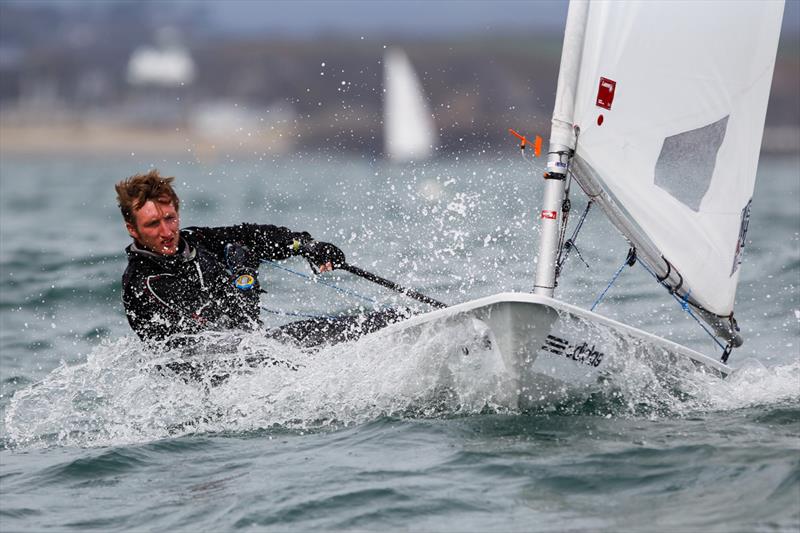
column 383, row 17
column 376, row 16
column 427, row 17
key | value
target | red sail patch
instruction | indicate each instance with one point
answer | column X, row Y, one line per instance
column 605, row 93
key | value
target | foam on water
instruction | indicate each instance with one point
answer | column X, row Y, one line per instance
column 118, row 397
column 754, row 384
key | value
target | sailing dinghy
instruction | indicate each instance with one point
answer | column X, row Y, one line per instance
column 408, row 128
column 658, row 117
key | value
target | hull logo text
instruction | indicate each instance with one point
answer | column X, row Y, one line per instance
column 581, row 352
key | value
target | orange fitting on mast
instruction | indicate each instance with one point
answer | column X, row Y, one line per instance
column 518, row 136
column 537, row 142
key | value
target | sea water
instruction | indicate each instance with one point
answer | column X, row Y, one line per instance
column 377, row 434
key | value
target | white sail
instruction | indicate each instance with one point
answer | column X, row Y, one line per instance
column 669, row 110
column 408, row 127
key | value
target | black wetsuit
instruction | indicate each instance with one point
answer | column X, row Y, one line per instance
column 169, row 297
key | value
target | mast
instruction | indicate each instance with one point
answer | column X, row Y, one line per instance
column 562, row 144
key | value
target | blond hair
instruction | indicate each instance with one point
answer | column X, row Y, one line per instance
column 135, row 191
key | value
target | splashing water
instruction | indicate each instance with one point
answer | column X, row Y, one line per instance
column 123, row 394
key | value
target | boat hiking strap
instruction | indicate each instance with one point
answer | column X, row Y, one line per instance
column 629, row 261
column 569, row 244
column 686, row 306
column 316, row 279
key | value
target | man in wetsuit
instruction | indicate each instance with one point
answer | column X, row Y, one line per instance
column 184, row 281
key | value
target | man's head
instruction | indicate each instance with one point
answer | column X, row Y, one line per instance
column 150, row 207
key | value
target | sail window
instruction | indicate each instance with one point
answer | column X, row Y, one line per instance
column 687, row 160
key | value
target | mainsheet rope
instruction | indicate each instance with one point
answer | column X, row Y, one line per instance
column 314, row 279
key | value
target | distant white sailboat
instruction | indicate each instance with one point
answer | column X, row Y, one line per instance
column 408, row 127
column 168, row 64
column 658, row 117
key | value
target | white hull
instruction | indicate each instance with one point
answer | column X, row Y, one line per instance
column 550, row 349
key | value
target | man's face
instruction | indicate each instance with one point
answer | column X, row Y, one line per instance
column 157, row 226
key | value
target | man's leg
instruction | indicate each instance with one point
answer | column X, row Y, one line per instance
column 318, row 331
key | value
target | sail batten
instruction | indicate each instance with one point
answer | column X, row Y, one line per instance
column 670, row 102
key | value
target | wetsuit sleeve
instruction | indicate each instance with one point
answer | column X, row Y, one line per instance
column 264, row 241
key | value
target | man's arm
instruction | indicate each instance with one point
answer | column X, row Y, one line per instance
column 270, row 242
column 264, row 241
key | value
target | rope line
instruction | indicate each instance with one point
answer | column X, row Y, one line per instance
column 316, row 279
column 684, row 303
column 528, row 160
column 300, row 315
column 564, row 247
column 610, row 283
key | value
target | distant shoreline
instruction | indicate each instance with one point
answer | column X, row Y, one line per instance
column 112, row 140
column 109, row 140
